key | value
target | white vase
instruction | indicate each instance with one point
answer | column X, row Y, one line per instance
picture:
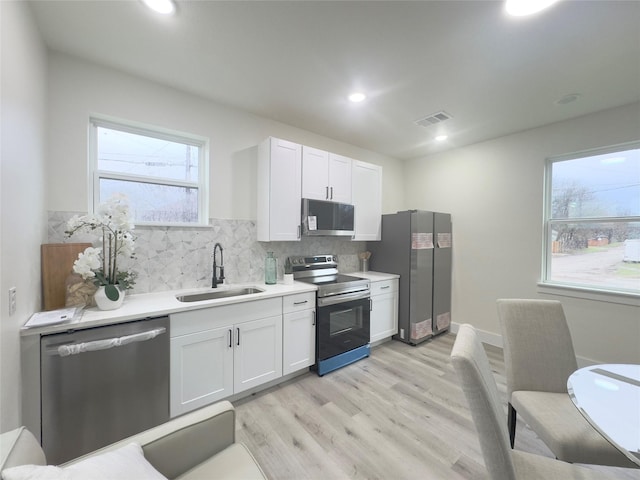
column 104, row 303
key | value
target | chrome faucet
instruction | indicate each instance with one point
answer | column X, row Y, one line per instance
column 215, row 279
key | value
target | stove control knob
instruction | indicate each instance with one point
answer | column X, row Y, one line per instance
column 335, row 259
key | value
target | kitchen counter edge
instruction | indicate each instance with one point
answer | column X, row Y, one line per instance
column 375, row 276
column 157, row 304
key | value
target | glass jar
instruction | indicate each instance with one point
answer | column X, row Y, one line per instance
column 270, row 269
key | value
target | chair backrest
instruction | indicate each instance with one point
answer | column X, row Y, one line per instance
column 538, row 351
column 470, row 362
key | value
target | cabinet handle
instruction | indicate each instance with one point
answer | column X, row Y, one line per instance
column 370, row 305
column 298, row 231
column 300, row 303
column 314, row 317
column 230, row 335
column 238, row 330
column 326, row 193
column 331, row 193
column 385, row 287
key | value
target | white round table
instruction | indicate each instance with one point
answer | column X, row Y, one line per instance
column 609, row 398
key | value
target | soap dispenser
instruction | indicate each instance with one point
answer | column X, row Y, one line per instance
column 270, row 269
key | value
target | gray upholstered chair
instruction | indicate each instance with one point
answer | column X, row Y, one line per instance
column 470, row 362
column 538, row 358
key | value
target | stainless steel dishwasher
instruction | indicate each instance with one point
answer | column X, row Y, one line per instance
column 102, row 384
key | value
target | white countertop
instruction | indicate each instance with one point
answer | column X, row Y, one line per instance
column 156, row 304
column 375, row 276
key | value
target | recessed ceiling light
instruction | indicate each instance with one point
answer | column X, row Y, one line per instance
column 165, row 7
column 357, row 97
column 441, row 138
column 520, row 8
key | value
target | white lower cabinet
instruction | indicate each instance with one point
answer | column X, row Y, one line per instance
column 257, row 353
column 384, row 309
column 219, row 351
column 299, row 332
column 192, row 384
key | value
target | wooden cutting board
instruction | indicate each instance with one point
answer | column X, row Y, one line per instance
column 57, row 265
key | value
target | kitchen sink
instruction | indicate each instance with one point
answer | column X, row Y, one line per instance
column 233, row 292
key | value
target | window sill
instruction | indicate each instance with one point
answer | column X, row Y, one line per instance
column 632, row 299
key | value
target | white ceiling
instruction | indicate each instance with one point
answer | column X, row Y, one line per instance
column 296, row 61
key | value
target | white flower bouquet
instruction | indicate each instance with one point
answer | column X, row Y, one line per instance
column 102, row 264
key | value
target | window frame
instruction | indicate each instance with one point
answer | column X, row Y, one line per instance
column 591, row 291
column 95, row 174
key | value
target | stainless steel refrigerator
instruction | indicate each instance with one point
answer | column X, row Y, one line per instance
column 416, row 245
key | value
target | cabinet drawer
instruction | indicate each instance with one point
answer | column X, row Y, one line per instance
column 299, row 301
column 384, row 286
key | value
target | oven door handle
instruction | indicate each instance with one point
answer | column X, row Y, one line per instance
column 342, row 298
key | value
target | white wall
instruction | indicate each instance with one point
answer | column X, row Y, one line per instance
column 22, row 167
column 78, row 89
column 494, row 191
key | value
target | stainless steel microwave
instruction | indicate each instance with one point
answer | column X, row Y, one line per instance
column 321, row 218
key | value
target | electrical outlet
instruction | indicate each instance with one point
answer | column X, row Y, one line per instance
column 12, row 300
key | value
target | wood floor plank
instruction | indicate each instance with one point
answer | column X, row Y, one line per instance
column 399, row 414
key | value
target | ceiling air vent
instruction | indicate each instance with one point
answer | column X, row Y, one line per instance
column 433, row 119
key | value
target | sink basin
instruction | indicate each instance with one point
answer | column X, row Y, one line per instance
column 234, row 292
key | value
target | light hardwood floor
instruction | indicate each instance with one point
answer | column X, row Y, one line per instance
column 398, row 414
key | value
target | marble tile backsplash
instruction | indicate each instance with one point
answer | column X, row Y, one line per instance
column 171, row 258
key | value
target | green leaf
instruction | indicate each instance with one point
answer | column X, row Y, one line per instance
column 112, row 292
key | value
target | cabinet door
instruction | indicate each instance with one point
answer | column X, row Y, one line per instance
column 339, row 178
column 384, row 316
column 315, row 173
column 299, row 340
column 201, row 369
column 367, row 198
column 257, row 352
column 279, row 190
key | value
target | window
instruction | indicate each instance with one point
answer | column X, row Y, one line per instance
column 592, row 220
column 164, row 175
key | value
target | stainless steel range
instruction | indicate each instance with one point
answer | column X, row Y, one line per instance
column 342, row 314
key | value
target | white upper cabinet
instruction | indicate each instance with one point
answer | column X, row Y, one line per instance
column 279, row 190
column 325, row 176
column 340, row 178
column 315, row 173
column 367, row 198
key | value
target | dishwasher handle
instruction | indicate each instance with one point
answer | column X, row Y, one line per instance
column 76, row 348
